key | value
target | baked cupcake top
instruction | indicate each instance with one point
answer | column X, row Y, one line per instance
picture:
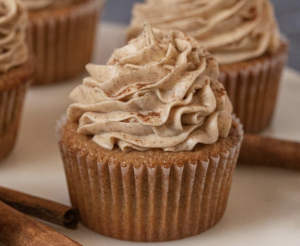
column 13, row 48
column 158, row 92
column 232, row 30
column 43, row 4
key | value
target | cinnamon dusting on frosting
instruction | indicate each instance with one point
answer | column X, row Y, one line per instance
column 148, row 116
column 158, row 92
column 232, row 30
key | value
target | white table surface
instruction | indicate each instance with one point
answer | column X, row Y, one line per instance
column 264, row 205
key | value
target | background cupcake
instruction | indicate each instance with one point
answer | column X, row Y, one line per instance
column 62, row 34
column 242, row 35
column 149, row 145
column 16, row 67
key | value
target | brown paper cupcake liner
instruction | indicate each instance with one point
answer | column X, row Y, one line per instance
column 63, row 40
column 145, row 202
column 253, row 88
column 11, row 104
column 13, row 87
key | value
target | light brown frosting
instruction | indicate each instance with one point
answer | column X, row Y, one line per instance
column 13, row 48
column 157, row 92
column 232, row 30
column 43, row 4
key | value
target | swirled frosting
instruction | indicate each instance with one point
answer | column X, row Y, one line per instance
column 232, row 30
column 13, row 48
column 158, row 92
column 43, row 4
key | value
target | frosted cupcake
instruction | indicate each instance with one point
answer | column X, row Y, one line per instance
column 62, row 34
column 149, row 144
column 16, row 67
column 242, row 35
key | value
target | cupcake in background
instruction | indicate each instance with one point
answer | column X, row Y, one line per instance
column 16, row 68
column 243, row 36
column 62, row 35
column 150, row 145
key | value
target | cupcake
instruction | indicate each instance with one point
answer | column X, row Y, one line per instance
column 16, row 67
column 244, row 38
column 150, row 145
column 61, row 34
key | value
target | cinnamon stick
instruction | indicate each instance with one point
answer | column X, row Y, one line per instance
column 261, row 150
column 18, row 229
column 41, row 208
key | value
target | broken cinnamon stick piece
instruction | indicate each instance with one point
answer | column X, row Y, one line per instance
column 18, row 229
column 261, row 150
column 43, row 209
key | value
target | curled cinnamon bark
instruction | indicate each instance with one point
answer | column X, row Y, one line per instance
column 261, row 150
column 18, row 229
column 44, row 209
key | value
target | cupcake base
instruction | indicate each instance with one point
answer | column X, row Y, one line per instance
column 63, row 40
column 252, row 87
column 13, row 87
column 148, row 196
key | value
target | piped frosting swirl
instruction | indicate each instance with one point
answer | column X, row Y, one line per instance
column 13, row 48
column 232, row 30
column 158, row 92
